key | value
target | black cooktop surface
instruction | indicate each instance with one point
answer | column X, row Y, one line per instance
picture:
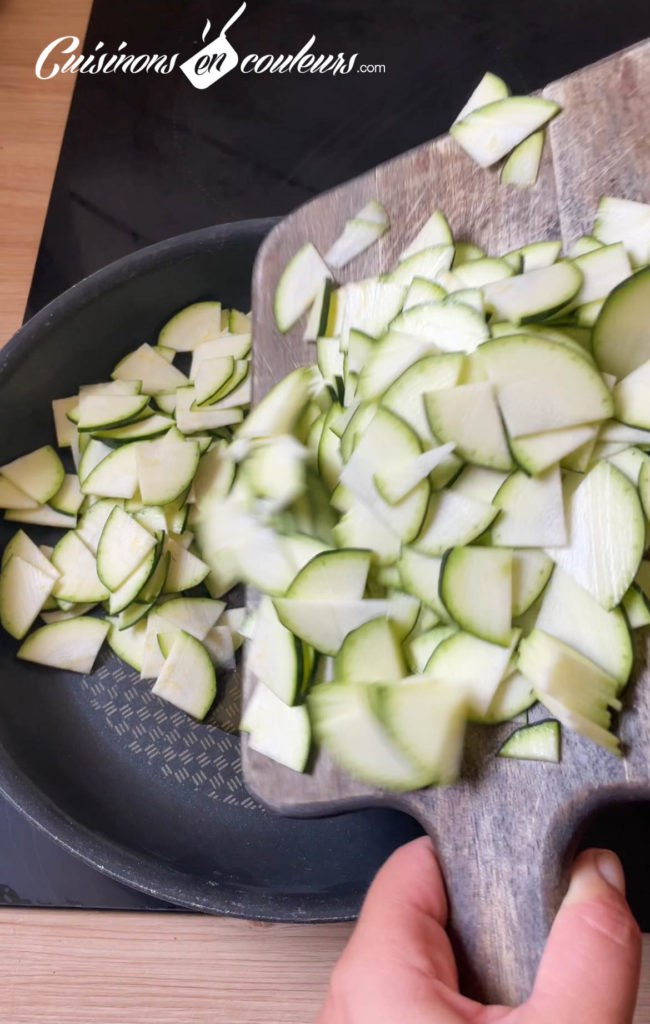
column 148, row 155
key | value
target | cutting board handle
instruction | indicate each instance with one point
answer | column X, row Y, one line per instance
column 506, row 875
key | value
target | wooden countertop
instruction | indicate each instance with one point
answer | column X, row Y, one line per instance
column 60, row 967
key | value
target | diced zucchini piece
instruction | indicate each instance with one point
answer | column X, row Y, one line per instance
column 602, row 270
column 191, row 421
column 24, row 589
column 428, row 723
column 421, row 291
column 398, row 480
column 476, row 587
column 218, row 642
column 279, row 410
column 522, row 166
column 478, row 483
column 39, row 474
column 492, row 131
column 298, row 286
column 236, row 345
column 534, row 294
column 211, row 377
column 539, row 742
column 276, row 730
column 621, row 334
column 632, row 397
column 72, row 645
column 468, row 416
column 490, row 89
column 606, row 534
column 538, row 452
column 187, row 678
column 192, row 326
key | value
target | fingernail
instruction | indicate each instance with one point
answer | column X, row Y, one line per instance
column 592, row 871
column 611, row 870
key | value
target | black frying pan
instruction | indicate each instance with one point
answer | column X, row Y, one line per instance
column 127, row 783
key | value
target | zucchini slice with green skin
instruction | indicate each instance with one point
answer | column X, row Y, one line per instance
column 280, row 409
column 490, row 89
column 428, row 723
column 476, row 587
column 602, row 270
column 116, row 476
column 538, row 452
column 231, row 389
column 346, row 722
column 468, row 416
column 72, row 645
column 632, row 398
column 542, row 386
column 572, row 615
column 192, row 326
column 478, row 483
column 276, row 730
column 398, row 480
column 98, row 412
column 357, row 236
column 65, row 429
column 359, row 525
column 275, row 656
column 606, row 534
column 152, row 369
column 432, row 373
column 94, row 520
column 166, row 468
column 24, row 589
column 317, row 319
column 426, row 263
column 218, row 642
column 532, row 511
column 420, row 649
column 531, row 571
column 128, row 643
column 136, row 612
column 192, row 421
column 43, row 516
column 420, row 575
column 534, row 294
column 522, row 166
column 194, row 615
column 393, row 354
column 68, row 498
column 39, row 474
column 514, row 695
column 621, row 334
column 22, row 545
column 481, row 272
column 449, row 328
column 325, row 624
column 539, row 742
column 371, row 654
column 11, row 497
column 236, row 345
column 626, row 221
column 141, row 430
column 635, row 606
column 123, row 546
column 367, row 306
column 78, row 581
column 211, row 376
column 298, row 286
column 451, row 521
column 492, row 131
column 471, row 665
column 187, row 679
column 539, row 254
column 434, row 231
column 185, row 569
column 332, row 576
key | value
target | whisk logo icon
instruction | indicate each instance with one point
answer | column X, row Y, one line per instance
column 216, row 59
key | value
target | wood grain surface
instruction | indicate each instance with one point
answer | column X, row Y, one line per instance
column 80, row 967
column 504, row 832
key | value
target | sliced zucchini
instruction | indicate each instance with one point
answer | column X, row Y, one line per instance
column 466, row 252
column 187, row 678
column 626, row 221
column 332, row 576
column 24, row 589
column 492, row 131
column 12, row 497
column 234, row 391
column 319, row 313
column 191, row 421
column 94, row 520
column 539, row 742
column 522, row 166
column 346, row 722
column 420, row 648
column 428, row 264
column 193, row 615
column 532, row 511
column 635, row 606
column 141, row 430
column 468, row 417
column 123, row 546
column 398, row 480
column 478, row 273
column 62, row 614
column 21, row 545
column 94, row 452
column 192, row 326
column 166, row 468
column 514, row 695
column 280, row 409
column 434, row 231
column 572, row 615
column 584, row 244
column 238, row 346
column 428, row 723
column 447, row 327
column 371, row 654
column 218, row 642
column 116, row 476
column 276, row 730
column 275, row 656
column 324, row 624
column 39, row 474
column 65, row 429
column 211, row 376
column 478, row 483
column 152, row 369
column 538, row 452
column 534, row 294
column 451, row 521
column 420, row 576
column 606, row 534
column 72, row 645
column 105, row 411
column 531, row 571
column 404, row 397
column 621, row 334
column 360, row 526
column 78, row 581
column 632, row 398
column 185, row 569
column 69, row 497
column 602, row 270
column 476, row 587
column 298, row 286
column 357, row 236
column 128, row 643
column 539, row 254
column 466, row 663
column 490, row 89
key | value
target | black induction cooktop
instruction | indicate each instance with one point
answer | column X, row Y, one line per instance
column 148, row 155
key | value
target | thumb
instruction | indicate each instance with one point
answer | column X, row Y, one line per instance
column 590, row 968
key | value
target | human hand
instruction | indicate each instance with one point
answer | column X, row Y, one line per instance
column 398, row 967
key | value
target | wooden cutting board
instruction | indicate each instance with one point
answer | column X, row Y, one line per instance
column 505, row 832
